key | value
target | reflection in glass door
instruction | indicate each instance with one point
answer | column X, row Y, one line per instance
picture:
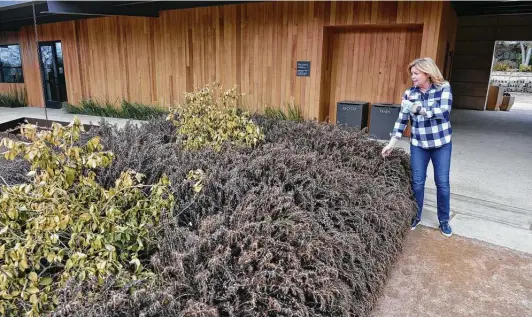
column 53, row 73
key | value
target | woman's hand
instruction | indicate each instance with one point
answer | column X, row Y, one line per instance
column 414, row 109
column 387, row 150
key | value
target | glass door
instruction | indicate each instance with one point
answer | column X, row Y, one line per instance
column 53, row 72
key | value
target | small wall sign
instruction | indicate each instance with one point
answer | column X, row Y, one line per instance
column 303, row 68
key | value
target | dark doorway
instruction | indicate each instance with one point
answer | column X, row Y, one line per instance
column 53, row 72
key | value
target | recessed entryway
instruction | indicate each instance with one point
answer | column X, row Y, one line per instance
column 53, row 73
column 368, row 64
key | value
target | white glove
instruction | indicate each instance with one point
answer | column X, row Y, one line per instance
column 387, row 150
column 411, row 107
column 414, row 107
column 406, row 106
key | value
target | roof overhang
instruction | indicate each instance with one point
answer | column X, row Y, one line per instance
column 508, row 7
column 15, row 14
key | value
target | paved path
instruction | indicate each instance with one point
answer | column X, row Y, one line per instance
column 8, row 114
column 523, row 101
column 458, row 277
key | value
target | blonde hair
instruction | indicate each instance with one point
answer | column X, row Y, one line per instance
column 427, row 65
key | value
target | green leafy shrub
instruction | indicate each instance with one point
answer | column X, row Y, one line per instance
column 210, row 117
column 126, row 110
column 63, row 225
column 15, row 99
column 501, row 66
column 525, row 68
column 293, row 113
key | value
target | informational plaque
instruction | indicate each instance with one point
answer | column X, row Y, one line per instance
column 303, row 68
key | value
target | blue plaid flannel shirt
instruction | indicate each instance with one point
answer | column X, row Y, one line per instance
column 432, row 130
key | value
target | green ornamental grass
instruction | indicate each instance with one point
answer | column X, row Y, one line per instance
column 126, row 110
column 15, row 99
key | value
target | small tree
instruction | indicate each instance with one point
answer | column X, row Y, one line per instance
column 526, row 51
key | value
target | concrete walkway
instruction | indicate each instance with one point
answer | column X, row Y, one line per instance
column 8, row 114
column 440, row 277
column 491, row 176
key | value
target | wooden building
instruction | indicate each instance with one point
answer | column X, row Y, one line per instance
column 355, row 50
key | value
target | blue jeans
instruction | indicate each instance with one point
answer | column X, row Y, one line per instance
column 441, row 161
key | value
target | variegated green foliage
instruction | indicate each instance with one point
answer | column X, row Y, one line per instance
column 64, row 225
column 210, row 117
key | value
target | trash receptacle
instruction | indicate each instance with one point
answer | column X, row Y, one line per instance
column 352, row 113
column 382, row 120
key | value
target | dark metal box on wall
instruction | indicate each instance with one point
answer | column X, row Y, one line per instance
column 352, row 113
column 382, row 119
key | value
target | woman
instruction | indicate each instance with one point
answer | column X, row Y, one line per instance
column 428, row 105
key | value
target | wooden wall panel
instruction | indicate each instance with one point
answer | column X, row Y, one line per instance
column 472, row 76
column 469, row 88
column 9, row 88
column 464, row 101
column 464, row 61
column 369, row 64
column 515, row 32
column 447, row 40
column 479, row 33
column 9, row 38
column 255, row 46
column 475, row 47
